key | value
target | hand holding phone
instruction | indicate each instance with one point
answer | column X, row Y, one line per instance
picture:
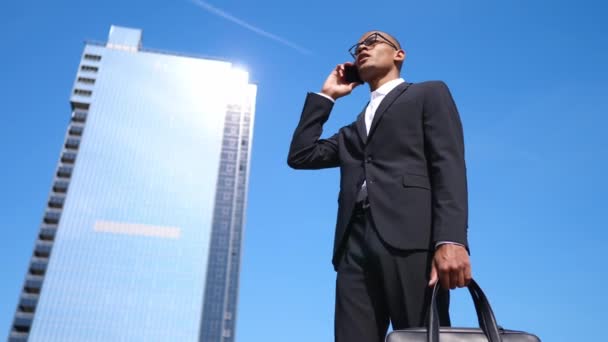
column 341, row 81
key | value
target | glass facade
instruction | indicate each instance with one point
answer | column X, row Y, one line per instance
column 142, row 238
column 222, row 273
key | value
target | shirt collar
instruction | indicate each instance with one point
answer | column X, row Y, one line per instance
column 386, row 88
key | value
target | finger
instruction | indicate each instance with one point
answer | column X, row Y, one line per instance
column 461, row 278
column 454, row 278
column 444, row 278
column 340, row 71
column 433, row 280
column 450, row 279
column 468, row 274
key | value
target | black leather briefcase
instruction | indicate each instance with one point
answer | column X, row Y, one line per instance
column 489, row 331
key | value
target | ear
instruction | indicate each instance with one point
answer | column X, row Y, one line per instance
column 399, row 56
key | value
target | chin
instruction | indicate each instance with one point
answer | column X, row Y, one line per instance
column 366, row 72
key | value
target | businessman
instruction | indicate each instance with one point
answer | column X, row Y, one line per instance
column 402, row 207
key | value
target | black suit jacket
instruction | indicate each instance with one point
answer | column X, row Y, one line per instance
column 412, row 159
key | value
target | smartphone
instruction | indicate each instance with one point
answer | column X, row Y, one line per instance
column 351, row 74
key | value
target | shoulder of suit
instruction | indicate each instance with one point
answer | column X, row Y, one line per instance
column 430, row 89
column 429, row 85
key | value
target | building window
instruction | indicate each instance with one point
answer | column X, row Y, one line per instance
column 233, row 117
column 72, row 143
column 56, row 202
column 79, row 116
column 92, row 57
column 43, row 250
column 82, row 92
column 60, row 187
column 86, row 80
column 68, row 157
column 76, row 130
column 28, row 303
column 64, row 172
column 47, row 234
column 89, row 68
column 229, row 155
column 38, row 267
column 231, row 131
column 52, row 217
column 22, row 324
column 33, row 285
column 80, row 105
column 227, row 196
column 230, row 142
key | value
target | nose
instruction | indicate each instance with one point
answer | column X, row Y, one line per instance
column 360, row 48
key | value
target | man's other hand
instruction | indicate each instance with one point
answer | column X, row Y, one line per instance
column 335, row 85
column 451, row 266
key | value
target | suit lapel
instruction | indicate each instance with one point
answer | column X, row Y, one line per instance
column 385, row 104
column 361, row 125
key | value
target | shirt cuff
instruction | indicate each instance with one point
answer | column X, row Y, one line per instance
column 439, row 243
column 327, row 97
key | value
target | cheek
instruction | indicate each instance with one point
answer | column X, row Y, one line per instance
column 385, row 58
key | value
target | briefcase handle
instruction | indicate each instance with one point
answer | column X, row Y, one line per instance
column 485, row 315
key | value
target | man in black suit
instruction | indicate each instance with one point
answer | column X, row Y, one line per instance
column 402, row 216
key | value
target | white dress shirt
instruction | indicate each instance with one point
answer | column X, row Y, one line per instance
column 376, row 98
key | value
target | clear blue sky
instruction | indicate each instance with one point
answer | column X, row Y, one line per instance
column 529, row 79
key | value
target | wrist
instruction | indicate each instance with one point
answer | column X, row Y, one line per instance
column 327, row 97
column 329, row 94
column 442, row 243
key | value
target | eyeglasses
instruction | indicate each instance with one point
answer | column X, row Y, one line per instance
column 369, row 41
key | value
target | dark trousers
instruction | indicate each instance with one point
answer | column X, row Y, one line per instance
column 377, row 284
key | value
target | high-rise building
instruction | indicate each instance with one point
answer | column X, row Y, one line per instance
column 141, row 238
